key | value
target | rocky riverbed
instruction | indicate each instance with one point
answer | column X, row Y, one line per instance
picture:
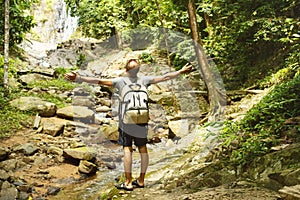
column 70, row 152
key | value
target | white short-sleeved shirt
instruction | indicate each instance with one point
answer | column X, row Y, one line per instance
column 120, row 82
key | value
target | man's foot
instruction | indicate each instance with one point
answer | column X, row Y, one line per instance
column 136, row 184
column 123, row 186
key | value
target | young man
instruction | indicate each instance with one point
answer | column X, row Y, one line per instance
column 131, row 132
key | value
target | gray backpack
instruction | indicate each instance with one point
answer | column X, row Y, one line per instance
column 134, row 103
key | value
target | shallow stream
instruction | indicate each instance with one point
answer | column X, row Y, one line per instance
column 103, row 181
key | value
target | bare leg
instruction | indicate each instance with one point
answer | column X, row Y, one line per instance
column 144, row 163
column 128, row 165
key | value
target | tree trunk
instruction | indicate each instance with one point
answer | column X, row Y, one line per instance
column 208, row 23
column 216, row 95
column 6, row 44
column 115, row 38
column 164, row 31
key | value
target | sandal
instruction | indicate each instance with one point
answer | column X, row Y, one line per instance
column 136, row 184
column 123, row 186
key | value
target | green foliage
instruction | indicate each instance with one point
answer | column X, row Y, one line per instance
column 11, row 119
column 99, row 19
column 264, row 125
column 249, row 39
column 146, row 58
column 80, row 60
column 59, row 84
column 103, row 19
column 20, row 21
column 177, row 61
column 274, row 109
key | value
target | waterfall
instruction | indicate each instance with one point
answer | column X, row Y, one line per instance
column 65, row 25
column 54, row 24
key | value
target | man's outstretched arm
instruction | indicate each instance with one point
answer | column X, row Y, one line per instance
column 187, row 68
column 72, row 76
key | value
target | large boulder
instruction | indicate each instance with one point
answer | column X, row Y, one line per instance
column 179, row 128
column 80, row 113
column 81, row 153
column 35, row 104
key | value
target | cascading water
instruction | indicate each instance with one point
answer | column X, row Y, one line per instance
column 54, row 22
column 54, row 25
column 65, row 25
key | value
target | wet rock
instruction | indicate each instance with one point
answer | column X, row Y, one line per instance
column 82, row 153
column 35, row 104
column 111, row 165
column 87, row 167
column 110, row 131
column 77, row 128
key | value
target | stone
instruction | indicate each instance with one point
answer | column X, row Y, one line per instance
column 8, row 192
column 35, row 104
column 179, row 128
column 33, row 77
column 290, row 193
column 103, row 109
column 80, row 113
column 110, row 131
column 52, row 128
column 55, row 151
column 81, row 153
column 87, row 167
column 27, row 149
column 83, row 101
column 79, row 91
column 4, row 175
column 105, row 102
column 53, row 190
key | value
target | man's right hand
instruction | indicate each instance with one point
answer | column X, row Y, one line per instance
column 70, row 76
column 186, row 69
